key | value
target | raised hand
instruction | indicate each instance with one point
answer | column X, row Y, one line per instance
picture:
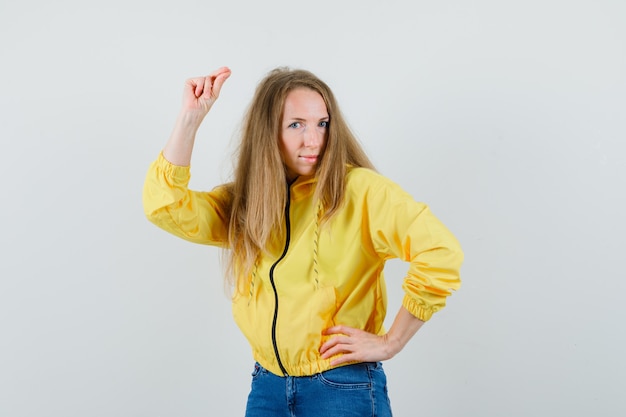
column 198, row 96
column 201, row 92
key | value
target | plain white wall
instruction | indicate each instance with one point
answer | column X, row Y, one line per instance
column 507, row 117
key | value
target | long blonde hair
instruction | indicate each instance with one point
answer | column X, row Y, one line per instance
column 259, row 189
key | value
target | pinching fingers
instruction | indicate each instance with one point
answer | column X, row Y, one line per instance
column 219, row 77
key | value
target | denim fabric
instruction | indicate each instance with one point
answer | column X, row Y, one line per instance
column 358, row 390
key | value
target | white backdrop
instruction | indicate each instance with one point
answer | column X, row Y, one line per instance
column 507, row 117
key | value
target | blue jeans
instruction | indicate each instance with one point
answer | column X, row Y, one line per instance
column 358, row 390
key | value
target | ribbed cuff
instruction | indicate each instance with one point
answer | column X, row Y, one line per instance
column 418, row 310
column 178, row 174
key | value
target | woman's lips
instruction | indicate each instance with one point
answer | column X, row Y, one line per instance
column 309, row 158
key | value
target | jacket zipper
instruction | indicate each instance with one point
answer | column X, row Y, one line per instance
column 287, row 239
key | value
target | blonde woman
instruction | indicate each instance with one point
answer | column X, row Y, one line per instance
column 307, row 224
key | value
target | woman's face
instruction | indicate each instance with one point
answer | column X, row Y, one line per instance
column 303, row 131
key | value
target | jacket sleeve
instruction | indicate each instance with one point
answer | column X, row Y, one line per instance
column 198, row 217
column 402, row 228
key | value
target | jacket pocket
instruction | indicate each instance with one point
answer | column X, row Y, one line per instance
column 322, row 313
column 246, row 315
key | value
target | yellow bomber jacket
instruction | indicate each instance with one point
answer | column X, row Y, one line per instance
column 315, row 277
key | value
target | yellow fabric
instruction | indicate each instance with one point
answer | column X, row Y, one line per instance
column 330, row 275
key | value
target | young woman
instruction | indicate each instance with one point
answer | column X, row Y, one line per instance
column 308, row 225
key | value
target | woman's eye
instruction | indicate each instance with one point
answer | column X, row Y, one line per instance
column 295, row 125
column 324, row 123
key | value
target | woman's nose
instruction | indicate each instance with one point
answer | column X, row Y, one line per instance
column 312, row 138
